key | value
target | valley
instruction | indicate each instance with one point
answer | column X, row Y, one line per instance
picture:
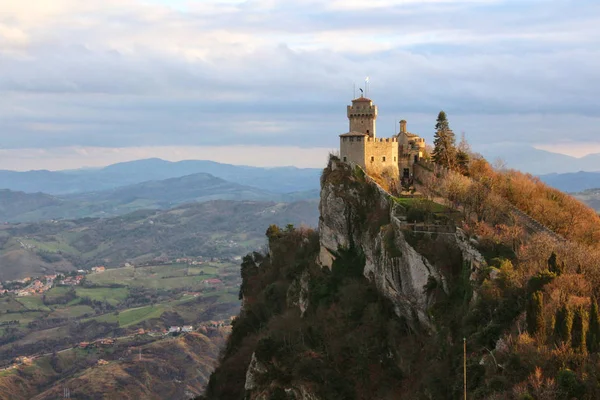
column 124, row 319
column 137, row 305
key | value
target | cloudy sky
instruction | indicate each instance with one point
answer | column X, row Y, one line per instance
column 87, row 83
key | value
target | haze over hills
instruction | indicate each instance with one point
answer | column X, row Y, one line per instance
column 277, row 179
column 573, row 182
column 538, row 162
column 163, row 194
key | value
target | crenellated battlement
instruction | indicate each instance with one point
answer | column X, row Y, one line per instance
column 380, row 140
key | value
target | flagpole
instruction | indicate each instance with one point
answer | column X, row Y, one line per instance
column 465, row 366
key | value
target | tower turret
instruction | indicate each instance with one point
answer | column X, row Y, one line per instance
column 362, row 115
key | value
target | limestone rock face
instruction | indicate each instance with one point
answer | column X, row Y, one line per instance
column 254, row 370
column 370, row 224
column 255, row 391
column 297, row 294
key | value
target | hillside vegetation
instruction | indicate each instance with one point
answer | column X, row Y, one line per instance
column 528, row 313
column 175, row 369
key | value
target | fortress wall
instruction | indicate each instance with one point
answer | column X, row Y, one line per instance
column 378, row 149
column 353, row 151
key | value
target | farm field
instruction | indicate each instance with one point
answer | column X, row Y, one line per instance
column 118, row 301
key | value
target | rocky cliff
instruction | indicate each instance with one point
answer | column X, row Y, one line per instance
column 356, row 212
column 350, row 311
column 378, row 303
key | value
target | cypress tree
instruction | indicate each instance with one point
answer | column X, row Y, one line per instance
column 563, row 325
column 593, row 336
column 444, row 150
column 579, row 332
column 554, row 266
column 535, row 316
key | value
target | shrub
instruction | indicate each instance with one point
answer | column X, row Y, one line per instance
column 569, row 385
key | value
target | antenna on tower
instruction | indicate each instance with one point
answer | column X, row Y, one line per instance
column 367, row 86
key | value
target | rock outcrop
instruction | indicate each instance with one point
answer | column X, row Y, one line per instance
column 357, row 212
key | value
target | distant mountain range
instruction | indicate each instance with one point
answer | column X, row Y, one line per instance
column 538, row 162
column 158, row 184
column 573, row 182
column 276, row 180
column 161, row 194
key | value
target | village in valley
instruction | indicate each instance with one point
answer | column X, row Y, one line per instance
column 103, row 310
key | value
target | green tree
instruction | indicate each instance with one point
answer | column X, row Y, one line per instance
column 444, row 150
column 535, row 315
column 578, row 333
column 563, row 324
column 593, row 336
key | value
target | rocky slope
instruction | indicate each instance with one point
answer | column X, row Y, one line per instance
column 396, row 268
column 335, row 314
column 379, row 302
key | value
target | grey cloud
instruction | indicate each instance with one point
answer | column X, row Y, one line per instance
column 488, row 66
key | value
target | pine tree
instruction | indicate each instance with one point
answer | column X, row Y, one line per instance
column 444, row 151
column 535, row 316
column 593, row 336
column 578, row 333
column 563, row 325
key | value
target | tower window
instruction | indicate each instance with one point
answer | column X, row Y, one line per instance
column 394, row 158
column 344, row 159
column 383, row 159
column 372, row 159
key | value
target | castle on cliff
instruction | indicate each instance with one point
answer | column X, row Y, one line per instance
column 395, row 156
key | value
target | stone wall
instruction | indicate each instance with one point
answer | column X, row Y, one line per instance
column 381, row 155
column 352, row 149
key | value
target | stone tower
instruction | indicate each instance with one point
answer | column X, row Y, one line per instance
column 362, row 115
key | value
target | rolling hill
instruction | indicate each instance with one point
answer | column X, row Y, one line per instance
column 215, row 229
column 277, row 180
column 163, row 194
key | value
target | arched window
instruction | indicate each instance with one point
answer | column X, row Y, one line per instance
column 383, row 159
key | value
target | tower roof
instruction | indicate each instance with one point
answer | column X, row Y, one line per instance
column 362, row 98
